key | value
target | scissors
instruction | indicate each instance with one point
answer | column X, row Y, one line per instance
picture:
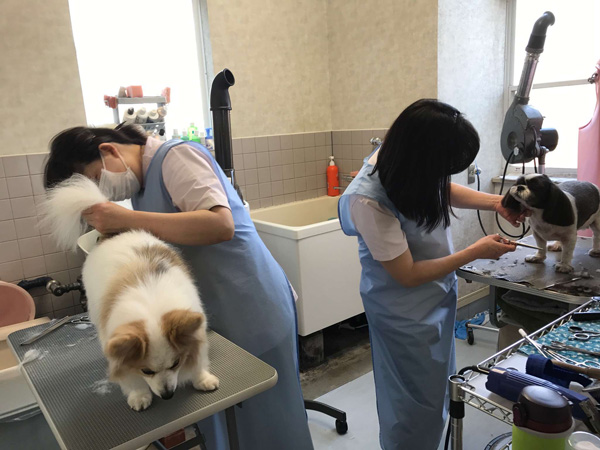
column 561, row 346
column 579, row 334
column 82, row 319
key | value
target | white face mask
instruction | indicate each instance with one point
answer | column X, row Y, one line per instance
column 118, row 186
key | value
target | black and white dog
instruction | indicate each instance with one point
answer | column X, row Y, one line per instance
column 557, row 212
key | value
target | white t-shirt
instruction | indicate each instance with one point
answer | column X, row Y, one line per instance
column 188, row 177
column 378, row 226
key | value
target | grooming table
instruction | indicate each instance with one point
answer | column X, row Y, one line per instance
column 511, row 272
column 85, row 412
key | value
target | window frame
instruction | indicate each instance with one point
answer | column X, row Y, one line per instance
column 511, row 88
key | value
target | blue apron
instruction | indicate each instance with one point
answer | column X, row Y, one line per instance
column 411, row 329
column 248, row 300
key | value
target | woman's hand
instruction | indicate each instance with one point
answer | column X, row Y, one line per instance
column 108, row 218
column 492, row 247
column 515, row 218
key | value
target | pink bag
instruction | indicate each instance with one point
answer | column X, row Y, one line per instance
column 588, row 158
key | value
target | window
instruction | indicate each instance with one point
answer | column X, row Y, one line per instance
column 560, row 90
column 151, row 43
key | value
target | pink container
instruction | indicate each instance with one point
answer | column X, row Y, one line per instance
column 16, row 305
column 588, row 158
column 134, row 91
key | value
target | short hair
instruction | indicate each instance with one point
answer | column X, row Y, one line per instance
column 427, row 143
column 72, row 149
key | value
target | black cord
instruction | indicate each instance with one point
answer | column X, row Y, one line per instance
column 478, row 190
column 525, row 231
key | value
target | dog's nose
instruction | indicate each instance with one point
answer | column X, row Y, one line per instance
column 520, row 188
column 166, row 395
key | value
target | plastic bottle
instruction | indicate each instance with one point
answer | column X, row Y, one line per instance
column 176, row 134
column 210, row 140
column 193, row 133
column 141, row 116
column 332, row 179
column 162, row 112
column 153, row 116
column 184, row 135
column 129, row 116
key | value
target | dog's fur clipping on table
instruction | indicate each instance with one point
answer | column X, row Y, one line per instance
column 557, row 212
column 141, row 298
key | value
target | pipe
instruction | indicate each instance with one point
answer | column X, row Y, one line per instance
column 535, row 46
column 220, row 105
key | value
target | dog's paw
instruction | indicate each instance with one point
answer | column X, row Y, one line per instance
column 206, row 382
column 563, row 268
column 139, row 400
column 594, row 253
column 536, row 259
column 556, row 247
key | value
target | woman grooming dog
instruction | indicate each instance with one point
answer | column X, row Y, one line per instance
column 399, row 207
column 181, row 196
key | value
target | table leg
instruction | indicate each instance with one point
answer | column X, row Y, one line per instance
column 234, row 443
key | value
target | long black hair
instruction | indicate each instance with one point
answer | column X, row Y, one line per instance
column 72, row 149
column 428, row 142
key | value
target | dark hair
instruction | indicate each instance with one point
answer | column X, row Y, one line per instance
column 428, row 142
column 72, row 149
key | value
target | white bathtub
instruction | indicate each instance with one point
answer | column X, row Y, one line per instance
column 320, row 261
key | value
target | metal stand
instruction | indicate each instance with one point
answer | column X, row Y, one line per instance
column 457, row 412
column 234, row 443
column 341, row 425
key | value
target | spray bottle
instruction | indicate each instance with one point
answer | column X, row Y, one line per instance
column 333, row 181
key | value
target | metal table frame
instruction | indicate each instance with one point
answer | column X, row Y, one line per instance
column 463, row 392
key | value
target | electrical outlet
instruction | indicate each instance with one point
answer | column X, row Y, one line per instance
column 471, row 174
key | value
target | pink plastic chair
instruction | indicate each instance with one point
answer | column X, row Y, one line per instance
column 16, row 305
column 588, row 158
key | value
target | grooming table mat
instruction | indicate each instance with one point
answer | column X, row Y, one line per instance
column 512, row 267
column 562, row 334
column 85, row 411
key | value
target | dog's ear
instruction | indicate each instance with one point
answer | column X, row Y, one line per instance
column 558, row 209
column 509, row 202
column 129, row 342
column 180, row 326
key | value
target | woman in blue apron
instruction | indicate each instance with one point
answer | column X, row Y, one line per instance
column 399, row 207
column 180, row 194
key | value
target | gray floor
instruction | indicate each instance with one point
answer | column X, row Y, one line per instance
column 357, row 399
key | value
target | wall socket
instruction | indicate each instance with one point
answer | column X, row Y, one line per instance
column 471, row 174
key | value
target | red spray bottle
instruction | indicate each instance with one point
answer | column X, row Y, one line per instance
column 333, row 181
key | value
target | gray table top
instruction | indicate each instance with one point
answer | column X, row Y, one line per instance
column 84, row 411
column 512, row 272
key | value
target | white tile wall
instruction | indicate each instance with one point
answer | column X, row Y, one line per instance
column 25, row 249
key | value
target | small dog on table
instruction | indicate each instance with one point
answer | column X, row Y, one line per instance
column 557, row 212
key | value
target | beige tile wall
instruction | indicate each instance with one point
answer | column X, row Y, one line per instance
column 25, row 249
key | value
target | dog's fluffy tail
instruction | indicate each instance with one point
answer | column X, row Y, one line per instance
column 63, row 207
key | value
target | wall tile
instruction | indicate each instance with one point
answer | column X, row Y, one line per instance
column 264, row 175
column 266, row 202
column 276, row 173
column 297, row 141
column 299, row 155
column 74, row 274
column 300, row 184
column 9, row 251
column 277, row 188
column 7, row 231
column 338, row 151
column 299, row 170
column 2, row 172
column 262, row 144
column 274, row 143
column 23, row 207
column 15, row 166
column 321, row 192
column 288, row 171
column 3, row 189
column 357, row 137
column 264, row 190
column 286, row 142
column 319, row 139
column 287, row 157
column 321, row 167
column 336, row 137
column 358, row 152
column 240, row 176
column 303, row 195
column 262, row 159
column 62, row 302
column 31, row 247
column 367, row 135
column 311, row 182
column 275, row 158
column 75, row 259
column 289, row 187
column 252, row 192
column 278, row 200
column 309, row 140
column 328, row 138
column 43, row 303
column 11, row 271
column 62, row 276
column 237, row 146
column 291, row 197
column 56, row 262
column 322, row 182
column 251, row 176
column 37, row 184
column 250, row 161
column 5, row 210
column 346, row 137
column 311, row 168
column 19, row 186
column 347, row 151
column 48, row 245
column 309, row 154
column 238, row 162
column 248, row 145
column 37, row 163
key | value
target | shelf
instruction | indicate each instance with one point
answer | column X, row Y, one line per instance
column 141, row 100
